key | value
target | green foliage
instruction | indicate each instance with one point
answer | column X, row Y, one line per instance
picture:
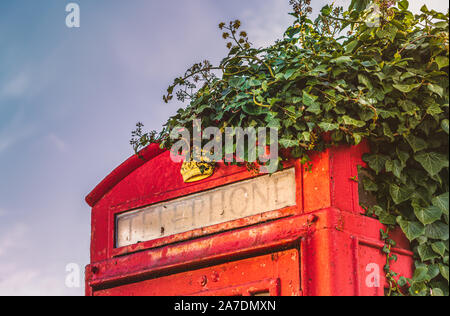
column 386, row 83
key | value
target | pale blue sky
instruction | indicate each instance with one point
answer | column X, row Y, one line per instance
column 69, row 99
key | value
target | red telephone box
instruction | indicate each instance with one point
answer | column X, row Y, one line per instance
column 297, row 232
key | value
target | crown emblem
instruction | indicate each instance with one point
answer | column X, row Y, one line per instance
column 193, row 171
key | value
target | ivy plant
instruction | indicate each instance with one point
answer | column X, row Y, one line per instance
column 348, row 76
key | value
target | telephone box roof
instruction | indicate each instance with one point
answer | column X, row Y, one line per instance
column 121, row 172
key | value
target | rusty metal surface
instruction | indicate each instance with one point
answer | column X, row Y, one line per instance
column 235, row 244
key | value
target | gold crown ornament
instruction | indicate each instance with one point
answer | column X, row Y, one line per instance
column 193, row 171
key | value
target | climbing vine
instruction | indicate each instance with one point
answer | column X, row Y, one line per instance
column 376, row 72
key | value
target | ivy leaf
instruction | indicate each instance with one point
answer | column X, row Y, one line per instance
column 416, row 143
column 326, row 10
column 365, row 81
column 264, row 86
column 437, row 292
column 442, row 61
column 432, row 162
column 442, row 202
column 435, row 109
column 444, row 125
column 359, row 5
column 252, row 109
column 384, row 217
column 438, row 231
column 428, row 215
column 314, row 108
column 406, row 88
column 412, row 230
column 400, row 194
column 309, row 99
column 420, row 274
column 403, row 156
column 426, row 253
column 419, row 288
column 409, row 107
column 392, row 31
column 288, row 74
column 402, row 281
column 403, row 5
column 274, row 123
column 388, row 132
column 395, row 166
column 288, row 143
column 433, row 271
column 358, row 137
column 326, row 127
column 389, row 32
column 350, row 47
column 237, row 82
column 436, row 89
column 350, row 121
column 444, row 271
column 253, row 83
column 376, row 162
column 341, row 60
column 369, row 185
column 439, row 247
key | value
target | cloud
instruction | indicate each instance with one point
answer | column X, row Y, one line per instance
column 15, row 87
column 267, row 22
column 6, row 142
column 11, row 238
column 20, row 276
column 439, row 5
column 58, row 142
column 166, row 49
column 29, row 282
column 14, row 131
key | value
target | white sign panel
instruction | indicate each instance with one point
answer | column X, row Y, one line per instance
column 224, row 204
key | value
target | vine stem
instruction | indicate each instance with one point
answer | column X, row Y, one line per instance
column 254, row 58
column 417, row 39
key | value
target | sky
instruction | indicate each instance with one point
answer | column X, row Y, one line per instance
column 69, row 98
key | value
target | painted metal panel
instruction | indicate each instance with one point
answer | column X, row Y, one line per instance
column 339, row 249
column 224, row 204
column 272, row 274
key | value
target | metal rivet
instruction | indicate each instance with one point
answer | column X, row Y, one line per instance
column 215, row 276
column 203, row 280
